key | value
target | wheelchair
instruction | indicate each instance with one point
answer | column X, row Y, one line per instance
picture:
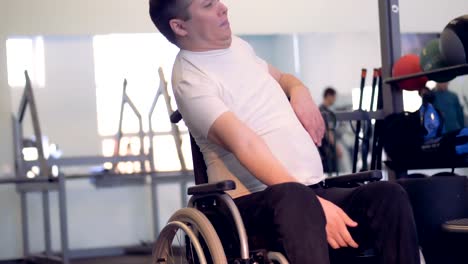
column 210, row 228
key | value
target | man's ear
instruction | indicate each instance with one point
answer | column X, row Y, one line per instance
column 178, row 27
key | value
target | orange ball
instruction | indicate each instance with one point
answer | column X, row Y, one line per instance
column 409, row 64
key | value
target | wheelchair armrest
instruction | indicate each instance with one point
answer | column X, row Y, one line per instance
column 207, row 188
column 353, row 180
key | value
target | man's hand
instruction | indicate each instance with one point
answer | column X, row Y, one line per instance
column 308, row 113
column 337, row 220
column 306, row 110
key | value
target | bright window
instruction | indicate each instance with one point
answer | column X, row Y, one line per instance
column 25, row 54
column 136, row 57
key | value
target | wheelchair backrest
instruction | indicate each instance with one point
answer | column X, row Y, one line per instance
column 199, row 166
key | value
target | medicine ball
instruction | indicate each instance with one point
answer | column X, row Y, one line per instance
column 432, row 59
column 454, row 41
column 409, row 64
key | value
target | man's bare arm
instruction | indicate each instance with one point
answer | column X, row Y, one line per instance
column 249, row 148
column 288, row 82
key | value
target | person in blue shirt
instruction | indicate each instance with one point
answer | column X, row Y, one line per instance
column 448, row 104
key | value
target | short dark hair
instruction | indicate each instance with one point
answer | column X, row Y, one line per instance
column 329, row 91
column 162, row 11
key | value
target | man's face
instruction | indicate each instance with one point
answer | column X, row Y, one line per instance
column 330, row 99
column 208, row 26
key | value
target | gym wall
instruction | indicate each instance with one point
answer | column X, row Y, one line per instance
column 337, row 59
column 6, row 148
column 67, row 103
column 9, row 200
column 86, row 17
column 276, row 49
column 323, row 58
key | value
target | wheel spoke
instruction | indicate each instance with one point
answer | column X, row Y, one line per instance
column 172, row 252
column 191, row 251
column 189, row 228
column 180, row 246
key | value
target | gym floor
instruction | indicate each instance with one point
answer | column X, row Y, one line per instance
column 135, row 259
column 132, row 259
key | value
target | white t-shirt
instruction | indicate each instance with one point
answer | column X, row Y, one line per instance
column 208, row 84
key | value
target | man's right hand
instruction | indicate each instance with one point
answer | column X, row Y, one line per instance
column 337, row 221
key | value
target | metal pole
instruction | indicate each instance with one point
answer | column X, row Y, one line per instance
column 17, row 180
column 374, row 86
column 22, row 106
column 18, row 143
column 36, row 126
column 154, row 208
column 390, row 41
column 62, row 200
column 358, row 123
column 24, row 223
column 119, row 132
column 151, row 131
column 28, row 98
column 141, row 133
column 376, row 129
column 174, row 128
column 17, row 137
column 154, row 194
column 175, row 134
column 379, row 125
column 183, row 192
column 46, row 215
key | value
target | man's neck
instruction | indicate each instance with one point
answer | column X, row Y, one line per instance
column 202, row 47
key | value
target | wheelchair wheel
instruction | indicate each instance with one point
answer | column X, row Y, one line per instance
column 188, row 238
column 277, row 258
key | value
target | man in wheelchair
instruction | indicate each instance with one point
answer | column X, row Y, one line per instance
column 236, row 108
